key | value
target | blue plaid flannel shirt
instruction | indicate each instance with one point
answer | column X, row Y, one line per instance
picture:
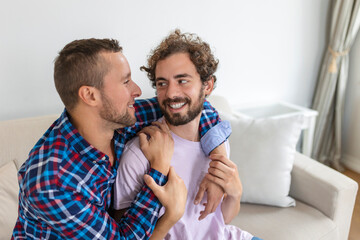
column 65, row 184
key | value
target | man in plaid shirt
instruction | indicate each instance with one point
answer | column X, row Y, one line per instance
column 66, row 183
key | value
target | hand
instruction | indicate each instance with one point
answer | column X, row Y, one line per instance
column 157, row 145
column 172, row 195
column 224, row 172
column 214, row 196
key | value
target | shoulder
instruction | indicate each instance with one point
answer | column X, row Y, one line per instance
column 133, row 147
column 40, row 170
column 133, row 155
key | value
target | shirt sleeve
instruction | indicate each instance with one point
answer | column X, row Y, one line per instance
column 75, row 217
column 212, row 130
column 129, row 178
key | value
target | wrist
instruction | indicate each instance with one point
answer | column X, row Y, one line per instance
column 171, row 218
column 160, row 168
column 221, row 149
column 159, row 178
column 234, row 198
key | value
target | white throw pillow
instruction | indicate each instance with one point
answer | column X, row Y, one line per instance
column 9, row 191
column 264, row 150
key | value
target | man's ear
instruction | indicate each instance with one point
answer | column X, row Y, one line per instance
column 209, row 86
column 89, row 95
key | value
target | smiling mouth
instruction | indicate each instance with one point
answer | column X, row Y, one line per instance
column 177, row 105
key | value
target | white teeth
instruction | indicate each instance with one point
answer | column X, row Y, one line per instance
column 177, row 105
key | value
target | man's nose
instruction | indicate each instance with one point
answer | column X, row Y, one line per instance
column 136, row 92
column 173, row 90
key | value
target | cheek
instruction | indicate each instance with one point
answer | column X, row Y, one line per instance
column 160, row 93
column 194, row 91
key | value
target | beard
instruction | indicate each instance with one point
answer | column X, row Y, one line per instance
column 109, row 113
column 176, row 119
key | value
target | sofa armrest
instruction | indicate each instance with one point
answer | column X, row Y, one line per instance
column 325, row 189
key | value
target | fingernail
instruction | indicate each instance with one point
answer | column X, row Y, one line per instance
column 196, row 202
column 146, row 177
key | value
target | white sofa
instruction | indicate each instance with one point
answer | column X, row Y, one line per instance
column 324, row 198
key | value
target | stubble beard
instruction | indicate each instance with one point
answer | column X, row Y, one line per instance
column 176, row 119
column 109, row 113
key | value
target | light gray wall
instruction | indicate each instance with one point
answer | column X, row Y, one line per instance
column 268, row 50
column 351, row 123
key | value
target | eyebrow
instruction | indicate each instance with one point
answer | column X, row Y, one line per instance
column 127, row 75
column 182, row 75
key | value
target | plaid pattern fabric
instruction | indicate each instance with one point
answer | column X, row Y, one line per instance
column 65, row 185
column 146, row 110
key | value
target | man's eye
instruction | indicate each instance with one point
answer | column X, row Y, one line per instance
column 126, row 81
column 183, row 81
column 161, row 84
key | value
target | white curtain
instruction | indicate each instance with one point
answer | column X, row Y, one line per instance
column 330, row 90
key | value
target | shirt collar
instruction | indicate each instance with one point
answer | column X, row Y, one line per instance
column 72, row 135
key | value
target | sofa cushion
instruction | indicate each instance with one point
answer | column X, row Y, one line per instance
column 297, row 223
column 19, row 136
column 9, row 190
column 264, row 150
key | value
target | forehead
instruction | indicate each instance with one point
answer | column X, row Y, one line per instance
column 117, row 63
column 175, row 63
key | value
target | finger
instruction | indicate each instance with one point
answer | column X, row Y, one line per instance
column 210, row 207
column 217, row 173
column 200, row 194
column 163, row 126
column 215, row 204
column 143, row 140
column 215, row 179
column 223, row 159
column 221, row 166
column 212, row 203
column 204, row 213
column 172, row 173
column 156, row 189
column 204, row 204
column 150, row 130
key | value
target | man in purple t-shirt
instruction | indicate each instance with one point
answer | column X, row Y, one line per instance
column 182, row 70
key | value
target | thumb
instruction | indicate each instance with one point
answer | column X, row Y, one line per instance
column 172, row 172
column 172, row 175
column 152, row 184
column 143, row 140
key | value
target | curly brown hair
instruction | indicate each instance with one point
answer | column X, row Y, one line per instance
column 177, row 42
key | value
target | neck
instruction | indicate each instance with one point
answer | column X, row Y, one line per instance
column 93, row 130
column 189, row 131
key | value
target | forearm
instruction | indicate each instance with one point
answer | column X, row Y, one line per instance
column 215, row 136
column 230, row 207
column 146, row 204
column 221, row 149
column 69, row 223
column 67, row 213
column 163, row 226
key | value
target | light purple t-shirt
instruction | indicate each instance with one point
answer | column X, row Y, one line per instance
column 190, row 164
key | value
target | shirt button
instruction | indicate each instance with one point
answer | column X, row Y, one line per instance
column 104, row 158
column 94, row 161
